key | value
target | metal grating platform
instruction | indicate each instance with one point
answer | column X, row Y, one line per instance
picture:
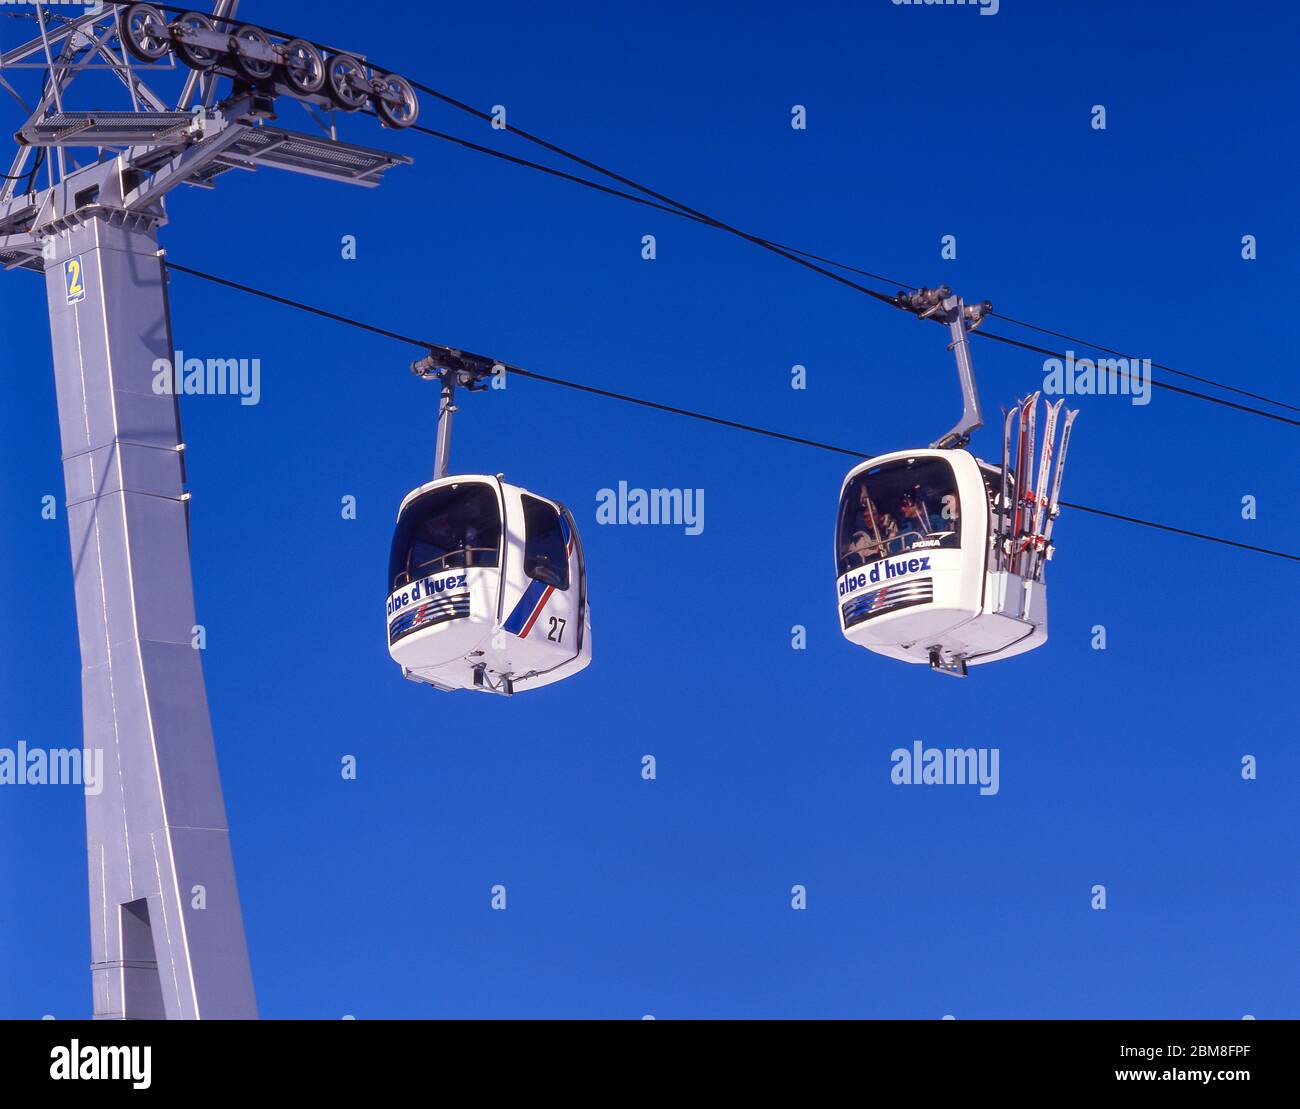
column 309, row 154
column 108, row 129
column 21, row 259
column 316, row 155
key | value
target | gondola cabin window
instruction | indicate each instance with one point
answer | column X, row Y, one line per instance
column 449, row 528
column 900, row 506
column 546, row 547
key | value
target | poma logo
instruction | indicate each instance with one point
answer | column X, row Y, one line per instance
column 216, row 377
column 678, row 507
column 1102, row 377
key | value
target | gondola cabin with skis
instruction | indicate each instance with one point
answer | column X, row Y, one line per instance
column 939, row 555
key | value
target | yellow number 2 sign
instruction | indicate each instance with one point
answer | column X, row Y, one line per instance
column 74, row 280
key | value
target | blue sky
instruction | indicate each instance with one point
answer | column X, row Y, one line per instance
column 672, row 897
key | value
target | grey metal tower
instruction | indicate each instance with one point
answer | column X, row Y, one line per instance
column 167, row 934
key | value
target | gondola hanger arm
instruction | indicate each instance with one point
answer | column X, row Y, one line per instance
column 941, row 305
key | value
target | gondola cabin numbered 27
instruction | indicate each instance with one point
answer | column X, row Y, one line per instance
column 939, row 556
column 486, row 588
column 487, row 585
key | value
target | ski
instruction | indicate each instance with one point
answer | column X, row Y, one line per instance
column 1045, row 465
column 1054, row 501
column 1015, row 506
column 1025, row 494
column 1004, row 511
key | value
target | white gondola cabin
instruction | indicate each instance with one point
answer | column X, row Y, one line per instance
column 914, row 574
column 939, row 556
column 487, row 588
column 487, row 584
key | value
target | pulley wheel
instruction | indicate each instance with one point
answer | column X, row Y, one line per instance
column 196, row 57
column 255, row 69
column 347, row 82
column 304, row 68
column 396, row 102
column 143, row 31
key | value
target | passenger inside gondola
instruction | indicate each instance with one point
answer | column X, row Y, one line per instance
column 913, row 518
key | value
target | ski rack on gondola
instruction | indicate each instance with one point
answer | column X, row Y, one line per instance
column 1027, row 513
